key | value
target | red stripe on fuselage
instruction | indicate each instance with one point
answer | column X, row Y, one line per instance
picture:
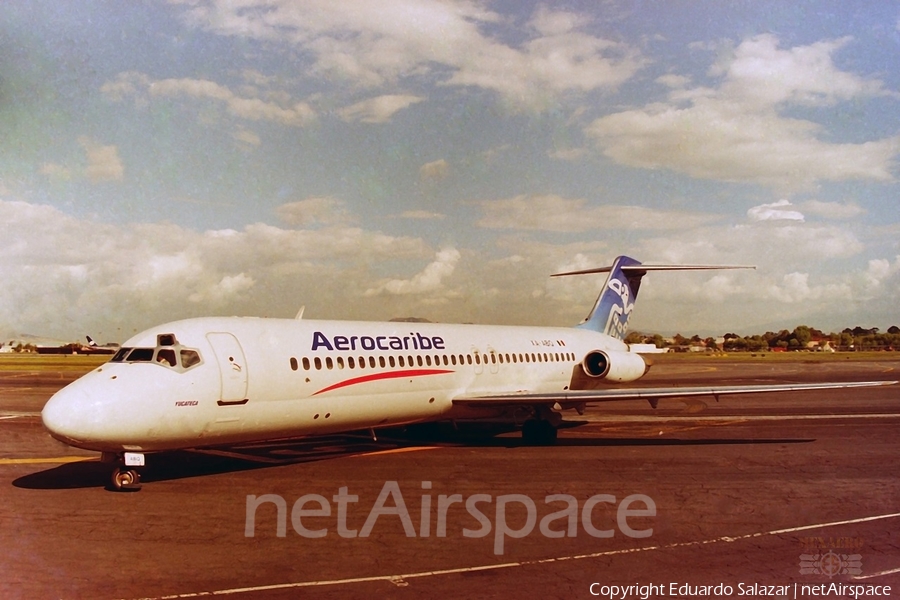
column 386, row 375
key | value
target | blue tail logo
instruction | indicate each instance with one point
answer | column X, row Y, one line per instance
column 616, row 302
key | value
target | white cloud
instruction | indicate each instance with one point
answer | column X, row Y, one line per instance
column 568, row 153
column 736, row 132
column 673, row 81
column 143, row 88
column 226, row 290
column 55, row 171
column 376, row 44
column 103, row 161
column 760, row 72
column 555, row 213
column 379, row 109
column 314, row 211
column 246, row 138
column 777, row 211
column 70, row 276
column 421, row 215
column 435, row 170
column 428, row 280
column 832, row 210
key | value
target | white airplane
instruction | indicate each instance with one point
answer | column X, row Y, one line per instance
column 223, row 381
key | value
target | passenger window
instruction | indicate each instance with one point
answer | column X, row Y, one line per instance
column 372, row 362
column 381, row 361
column 189, row 358
column 294, row 364
column 351, row 362
column 318, row 362
column 340, row 362
column 329, row 364
column 166, row 356
column 391, row 361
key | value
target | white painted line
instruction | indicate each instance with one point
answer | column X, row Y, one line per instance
column 12, row 414
column 878, row 574
column 400, row 580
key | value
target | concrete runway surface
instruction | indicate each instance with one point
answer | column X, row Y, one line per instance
column 772, row 489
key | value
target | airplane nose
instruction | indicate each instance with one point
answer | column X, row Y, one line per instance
column 61, row 415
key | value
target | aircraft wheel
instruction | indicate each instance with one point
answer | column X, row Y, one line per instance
column 123, row 480
column 538, row 432
column 549, row 433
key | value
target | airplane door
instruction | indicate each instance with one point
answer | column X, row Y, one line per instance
column 232, row 367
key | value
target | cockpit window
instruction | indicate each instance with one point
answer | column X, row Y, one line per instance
column 166, row 356
column 189, row 358
column 168, row 352
column 140, row 355
column 165, row 339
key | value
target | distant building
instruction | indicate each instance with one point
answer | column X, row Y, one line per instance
column 646, row 349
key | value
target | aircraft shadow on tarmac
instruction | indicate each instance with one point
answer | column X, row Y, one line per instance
column 180, row 464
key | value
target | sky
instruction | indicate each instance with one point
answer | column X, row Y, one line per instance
column 440, row 159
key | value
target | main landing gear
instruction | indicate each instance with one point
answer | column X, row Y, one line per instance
column 124, row 476
column 541, row 428
column 538, row 432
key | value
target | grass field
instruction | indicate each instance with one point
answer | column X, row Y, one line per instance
column 52, row 362
column 780, row 357
column 78, row 363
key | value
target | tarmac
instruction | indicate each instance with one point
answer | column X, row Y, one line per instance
column 770, row 494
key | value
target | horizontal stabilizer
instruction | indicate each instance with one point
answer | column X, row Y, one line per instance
column 643, row 268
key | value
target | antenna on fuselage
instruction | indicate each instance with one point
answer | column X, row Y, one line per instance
column 300, row 313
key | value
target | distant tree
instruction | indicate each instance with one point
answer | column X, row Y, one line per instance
column 802, row 334
column 893, row 330
column 635, row 337
column 756, row 343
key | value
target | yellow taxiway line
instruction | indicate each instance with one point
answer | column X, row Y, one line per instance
column 58, row 459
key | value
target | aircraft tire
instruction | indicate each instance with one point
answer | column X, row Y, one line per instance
column 122, row 480
column 538, row 432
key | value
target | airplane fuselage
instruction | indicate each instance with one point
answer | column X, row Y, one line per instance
column 211, row 381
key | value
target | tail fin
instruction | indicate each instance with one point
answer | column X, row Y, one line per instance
column 616, row 301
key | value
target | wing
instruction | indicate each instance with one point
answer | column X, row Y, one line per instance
column 651, row 394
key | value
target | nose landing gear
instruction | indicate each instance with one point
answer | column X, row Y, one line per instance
column 125, row 480
column 124, row 476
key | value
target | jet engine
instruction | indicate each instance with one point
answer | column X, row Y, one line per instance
column 614, row 366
